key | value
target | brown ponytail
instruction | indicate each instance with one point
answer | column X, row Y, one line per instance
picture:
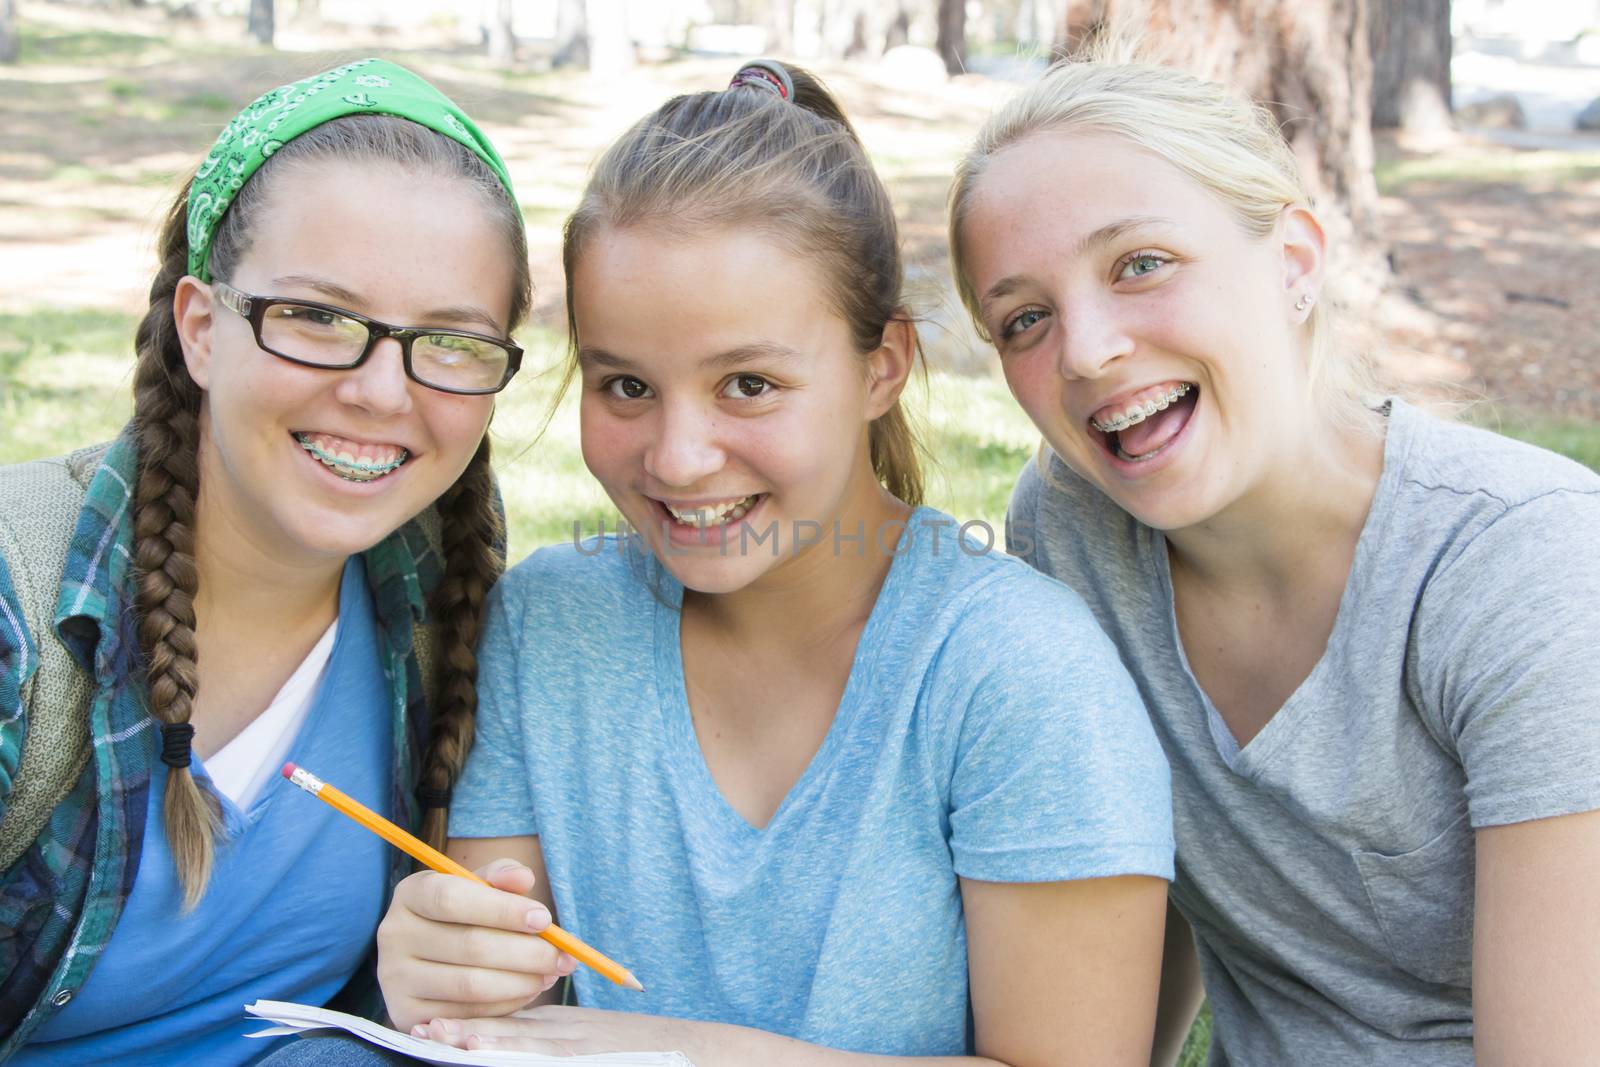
column 166, row 419
column 474, row 552
column 745, row 156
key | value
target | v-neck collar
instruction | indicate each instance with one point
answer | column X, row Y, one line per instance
column 1282, row 725
column 684, row 752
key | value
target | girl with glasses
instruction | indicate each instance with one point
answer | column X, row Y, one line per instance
column 301, row 508
column 764, row 752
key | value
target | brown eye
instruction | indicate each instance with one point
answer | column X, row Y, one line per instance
column 747, row 387
column 626, row 388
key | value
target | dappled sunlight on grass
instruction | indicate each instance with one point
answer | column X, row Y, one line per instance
column 1487, row 165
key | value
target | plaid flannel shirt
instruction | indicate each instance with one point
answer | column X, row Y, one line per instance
column 61, row 900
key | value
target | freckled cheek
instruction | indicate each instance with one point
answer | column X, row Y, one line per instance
column 789, row 451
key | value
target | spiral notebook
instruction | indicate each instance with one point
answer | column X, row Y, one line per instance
column 297, row 1018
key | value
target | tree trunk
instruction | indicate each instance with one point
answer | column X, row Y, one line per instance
column 898, row 31
column 1411, row 46
column 502, row 33
column 260, row 26
column 1309, row 62
column 952, row 42
column 572, row 35
column 610, row 47
column 10, row 39
column 780, row 27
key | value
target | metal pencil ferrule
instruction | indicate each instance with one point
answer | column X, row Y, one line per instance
column 306, row 780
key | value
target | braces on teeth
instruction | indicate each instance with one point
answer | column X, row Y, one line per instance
column 1123, row 421
column 353, row 470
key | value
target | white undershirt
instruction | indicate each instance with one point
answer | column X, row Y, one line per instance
column 242, row 768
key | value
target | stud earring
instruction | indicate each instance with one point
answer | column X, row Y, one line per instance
column 1303, row 303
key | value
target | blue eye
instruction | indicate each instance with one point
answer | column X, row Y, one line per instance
column 1137, row 266
column 625, row 388
column 1021, row 322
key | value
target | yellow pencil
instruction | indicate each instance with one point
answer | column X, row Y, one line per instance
column 424, row 853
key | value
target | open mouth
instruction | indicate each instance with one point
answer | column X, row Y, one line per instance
column 714, row 515
column 1139, row 429
column 351, row 461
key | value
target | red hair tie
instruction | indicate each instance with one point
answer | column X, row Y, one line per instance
column 766, row 73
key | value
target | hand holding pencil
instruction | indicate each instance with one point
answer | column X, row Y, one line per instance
column 461, row 947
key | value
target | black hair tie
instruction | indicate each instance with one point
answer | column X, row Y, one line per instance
column 175, row 738
column 433, row 798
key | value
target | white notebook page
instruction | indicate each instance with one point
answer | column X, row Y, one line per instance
column 296, row 1018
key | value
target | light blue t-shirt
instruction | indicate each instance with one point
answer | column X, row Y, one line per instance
column 295, row 894
column 987, row 731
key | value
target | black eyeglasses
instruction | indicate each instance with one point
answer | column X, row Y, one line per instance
column 321, row 335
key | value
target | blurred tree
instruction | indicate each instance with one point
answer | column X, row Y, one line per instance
column 610, row 46
column 952, row 42
column 854, row 29
column 1411, row 46
column 260, row 25
column 502, row 34
column 572, row 35
column 1309, row 62
column 780, row 27
column 9, row 38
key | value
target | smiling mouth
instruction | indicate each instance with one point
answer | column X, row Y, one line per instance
column 709, row 516
column 352, row 462
column 1139, row 431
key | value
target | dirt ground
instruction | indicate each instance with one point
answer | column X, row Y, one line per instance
column 1497, row 287
column 1495, row 263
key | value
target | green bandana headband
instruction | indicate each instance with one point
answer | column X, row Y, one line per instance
column 367, row 86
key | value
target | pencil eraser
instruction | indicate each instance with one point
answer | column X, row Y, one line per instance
column 288, row 770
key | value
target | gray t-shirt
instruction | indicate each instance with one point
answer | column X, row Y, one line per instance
column 1327, row 866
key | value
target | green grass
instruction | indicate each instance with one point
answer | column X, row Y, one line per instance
column 48, row 44
column 1198, row 1043
column 208, row 101
column 64, row 380
column 1575, row 440
column 1487, row 166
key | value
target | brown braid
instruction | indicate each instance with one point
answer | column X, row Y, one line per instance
column 166, row 417
column 473, row 540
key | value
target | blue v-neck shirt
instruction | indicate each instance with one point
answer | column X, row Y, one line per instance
column 987, row 731
column 295, row 893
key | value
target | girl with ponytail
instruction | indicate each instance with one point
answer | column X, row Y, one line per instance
column 761, row 751
column 299, row 522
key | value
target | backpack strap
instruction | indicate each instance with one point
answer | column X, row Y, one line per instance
column 39, row 506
